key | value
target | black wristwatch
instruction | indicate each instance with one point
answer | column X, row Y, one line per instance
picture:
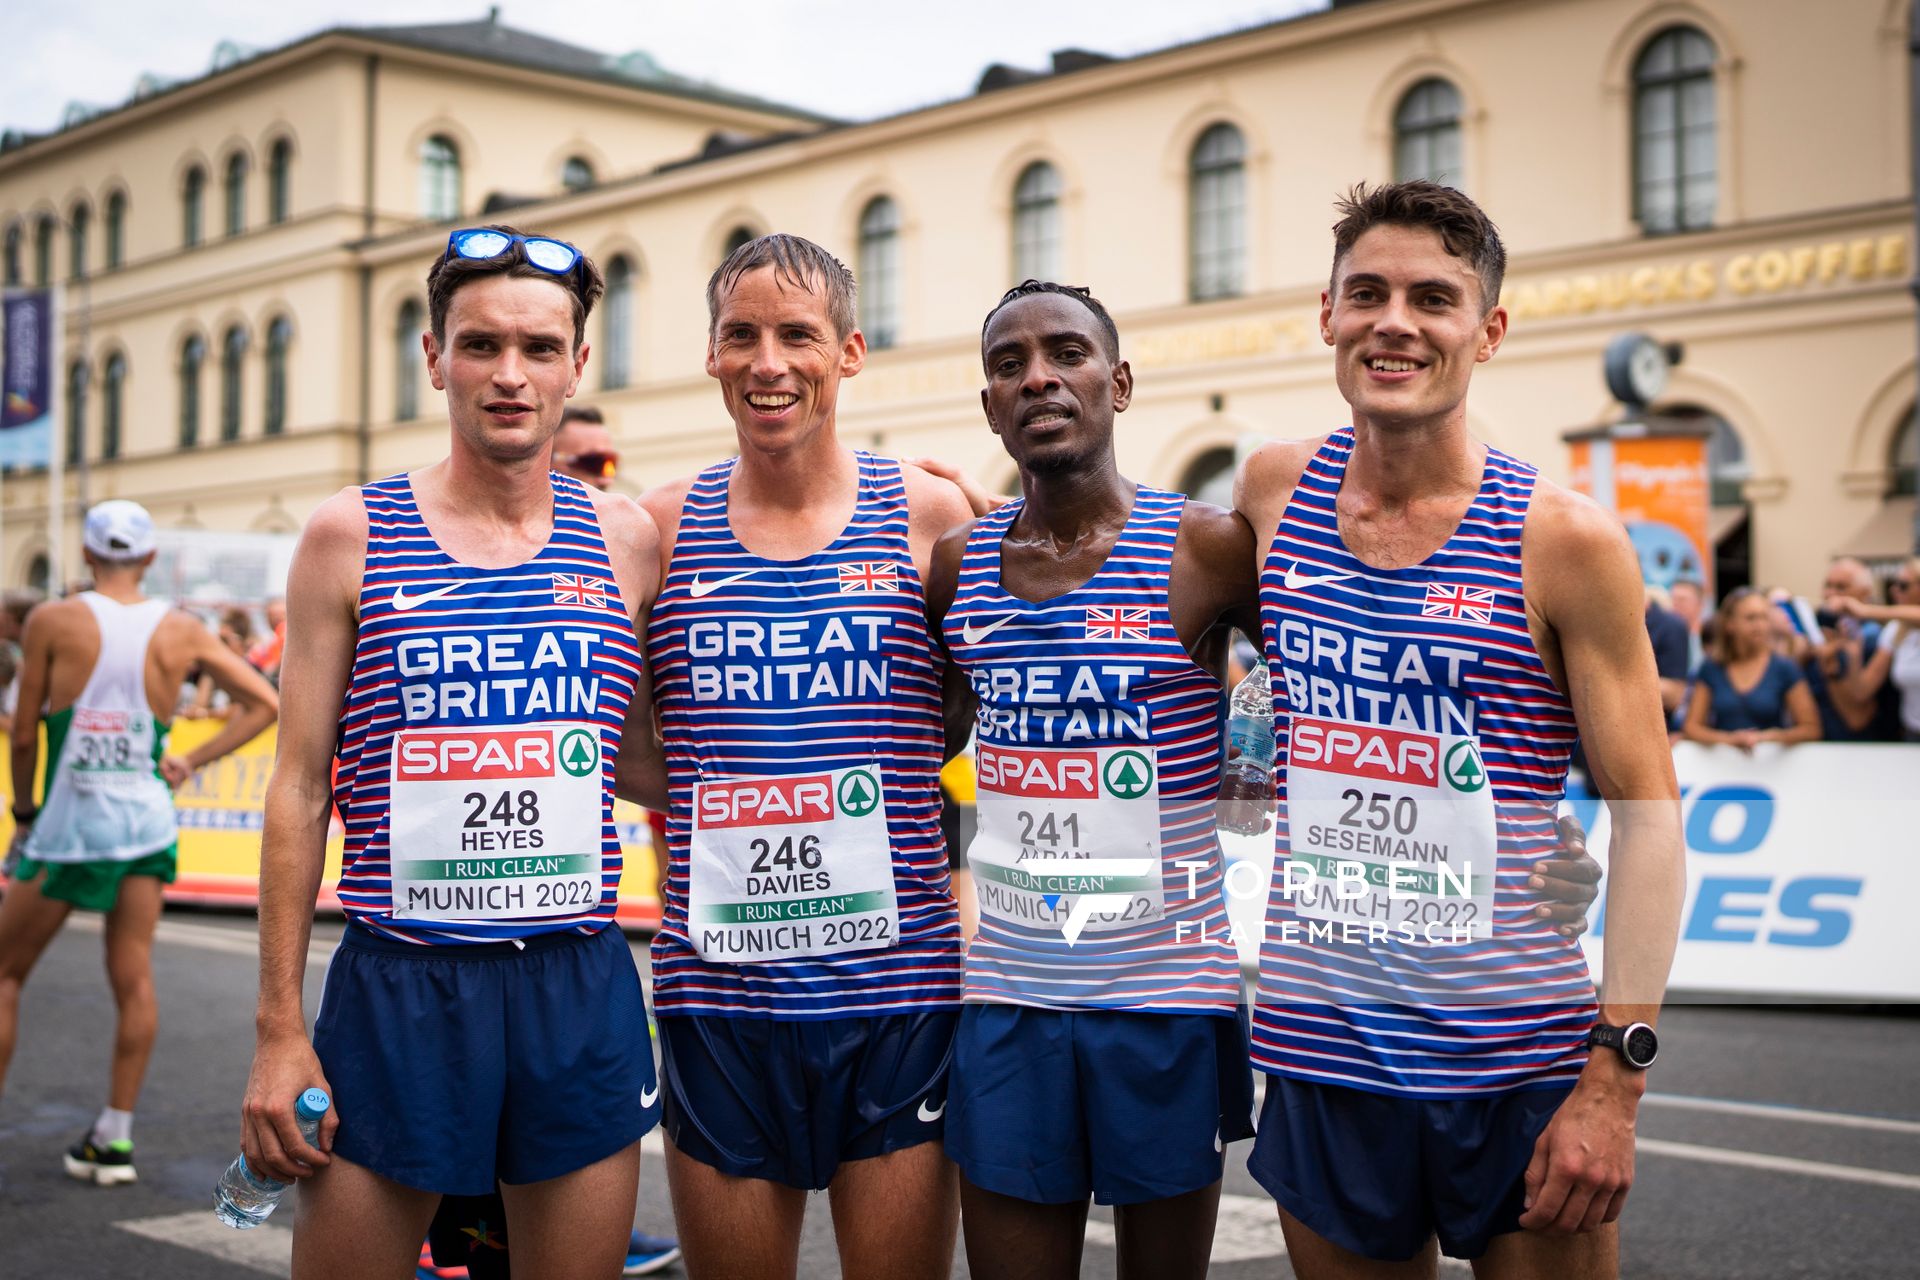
column 1636, row 1043
column 21, row 819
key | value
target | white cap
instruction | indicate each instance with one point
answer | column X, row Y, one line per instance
column 119, row 530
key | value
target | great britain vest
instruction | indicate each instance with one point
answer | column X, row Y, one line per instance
column 474, row 771
column 1422, row 753
column 1097, row 867
column 800, row 709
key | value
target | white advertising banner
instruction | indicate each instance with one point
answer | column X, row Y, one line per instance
column 1803, row 871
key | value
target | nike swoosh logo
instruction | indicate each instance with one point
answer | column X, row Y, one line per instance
column 700, row 588
column 971, row 636
column 403, row 602
column 649, row 1096
column 931, row 1116
column 1295, row 580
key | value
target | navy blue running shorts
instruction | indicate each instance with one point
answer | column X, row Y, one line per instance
column 1053, row 1105
column 1379, row 1174
column 454, row 1066
column 788, row 1100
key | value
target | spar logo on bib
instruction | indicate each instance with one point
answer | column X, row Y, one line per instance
column 1052, row 775
column 1463, row 767
column 579, row 753
column 475, row 755
column 1369, row 751
column 1129, row 774
column 770, row 802
column 859, row 793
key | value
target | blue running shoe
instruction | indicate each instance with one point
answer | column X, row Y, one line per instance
column 647, row 1254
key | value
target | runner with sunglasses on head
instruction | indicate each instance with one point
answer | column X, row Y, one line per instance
column 462, row 654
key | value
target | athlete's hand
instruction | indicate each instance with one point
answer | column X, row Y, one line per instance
column 1573, row 882
column 1582, row 1164
column 284, row 1067
column 977, row 497
column 175, row 770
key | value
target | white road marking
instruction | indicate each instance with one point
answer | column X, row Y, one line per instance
column 205, row 937
column 1771, row 1111
column 1780, row 1164
column 267, row 1249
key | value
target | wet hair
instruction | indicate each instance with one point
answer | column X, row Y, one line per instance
column 583, row 282
column 582, row 413
column 795, row 261
column 1464, row 228
column 1079, row 293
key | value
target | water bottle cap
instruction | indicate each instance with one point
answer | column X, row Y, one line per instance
column 313, row 1104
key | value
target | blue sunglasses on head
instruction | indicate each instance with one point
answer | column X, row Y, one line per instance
column 554, row 256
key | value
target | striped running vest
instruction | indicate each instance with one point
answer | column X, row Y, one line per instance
column 474, row 771
column 1419, row 734
column 800, row 708
column 1098, row 738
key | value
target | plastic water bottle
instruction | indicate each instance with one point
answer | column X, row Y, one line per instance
column 242, row 1198
column 1246, row 787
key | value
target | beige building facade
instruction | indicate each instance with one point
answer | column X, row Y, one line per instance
column 1728, row 175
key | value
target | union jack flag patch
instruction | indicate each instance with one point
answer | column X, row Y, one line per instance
column 574, row 588
column 1474, row 603
column 869, row 575
column 1118, row 623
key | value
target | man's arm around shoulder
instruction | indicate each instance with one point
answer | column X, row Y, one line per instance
column 1583, row 583
column 322, row 596
column 633, row 547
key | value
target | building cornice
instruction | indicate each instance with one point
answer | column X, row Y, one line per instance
column 335, row 45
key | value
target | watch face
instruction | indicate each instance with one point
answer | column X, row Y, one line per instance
column 1641, row 1044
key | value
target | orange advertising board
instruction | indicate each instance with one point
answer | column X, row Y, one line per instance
column 1658, row 486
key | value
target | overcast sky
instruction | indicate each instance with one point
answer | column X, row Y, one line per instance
column 849, row 58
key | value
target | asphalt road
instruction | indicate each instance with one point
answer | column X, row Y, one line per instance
column 1780, row 1141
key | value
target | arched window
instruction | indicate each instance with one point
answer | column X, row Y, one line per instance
column 193, row 357
column 10, row 255
column 1906, row 456
column 236, row 192
column 616, row 357
column 43, row 251
column 1217, row 203
column 193, row 198
column 1036, row 223
column 1426, row 134
column 79, row 223
column 439, row 178
column 1210, row 478
column 279, row 180
column 1675, row 133
column 77, row 380
column 576, row 174
column 879, row 276
column 113, row 386
column 279, row 338
column 116, row 230
column 737, row 239
column 407, row 361
column 233, row 359
column 38, row 571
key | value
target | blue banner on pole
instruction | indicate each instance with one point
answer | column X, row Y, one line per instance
column 27, row 378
